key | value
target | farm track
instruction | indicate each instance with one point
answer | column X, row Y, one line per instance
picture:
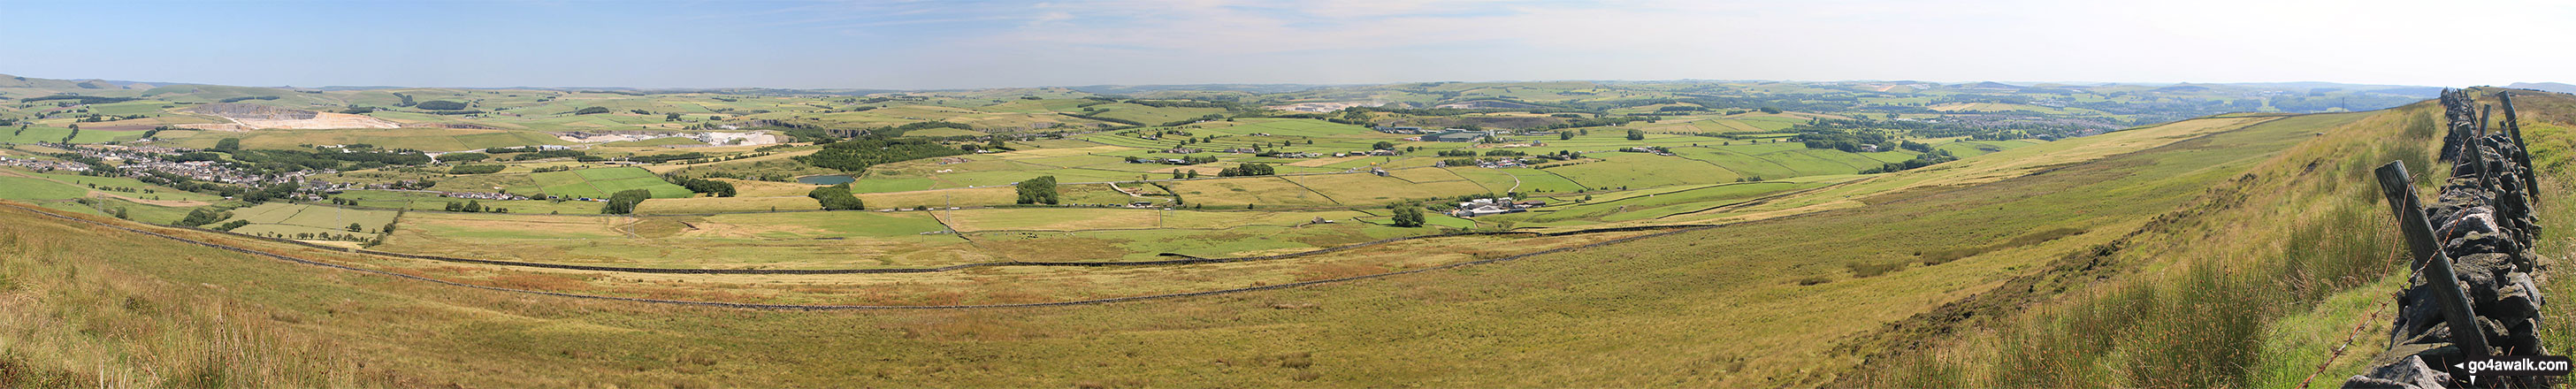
column 808, row 307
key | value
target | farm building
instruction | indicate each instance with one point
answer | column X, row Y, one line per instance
column 1455, row 136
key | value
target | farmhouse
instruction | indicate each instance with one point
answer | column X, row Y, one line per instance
column 1493, row 206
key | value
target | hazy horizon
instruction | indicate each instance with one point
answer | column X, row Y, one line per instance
column 909, row 45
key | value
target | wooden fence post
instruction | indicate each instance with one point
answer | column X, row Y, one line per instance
column 2522, row 151
column 2433, row 266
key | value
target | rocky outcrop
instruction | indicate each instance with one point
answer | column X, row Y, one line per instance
column 2483, row 222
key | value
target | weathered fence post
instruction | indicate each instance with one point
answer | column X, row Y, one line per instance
column 2433, row 266
column 2521, row 151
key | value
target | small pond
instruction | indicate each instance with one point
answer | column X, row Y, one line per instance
column 827, row 179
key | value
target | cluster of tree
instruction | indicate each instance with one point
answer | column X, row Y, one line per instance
column 1636, row 134
column 1095, row 115
column 406, row 100
column 1925, row 159
column 1458, row 153
column 590, row 110
column 701, row 185
column 1207, row 118
column 1408, row 215
column 549, row 154
column 857, row 155
column 1180, row 104
column 836, row 197
column 246, row 98
column 463, row 157
column 271, row 192
column 477, row 206
column 79, row 99
column 1846, row 140
column 1039, row 190
column 439, row 105
column 896, row 131
column 95, row 118
column 660, row 158
column 267, row 161
column 204, row 216
column 476, row 169
column 623, row 202
column 1248, row 169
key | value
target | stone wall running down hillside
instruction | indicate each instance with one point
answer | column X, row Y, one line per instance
column 2483, row 222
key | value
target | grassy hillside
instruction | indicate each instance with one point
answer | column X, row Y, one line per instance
column 1794, row 301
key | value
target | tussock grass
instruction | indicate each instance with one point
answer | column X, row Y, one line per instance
column 2207, row 306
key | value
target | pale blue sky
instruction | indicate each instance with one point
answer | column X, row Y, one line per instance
column 961, row 44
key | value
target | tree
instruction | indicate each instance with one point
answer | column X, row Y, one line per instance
column 1564, row 135
column 673, row 117
column 624, row 201
column 473, row 206
column 440, row 105
column 1636, row 135
column 1039, row 190
column 120, row 213
column 1383, row 145
column 353, row 227
column 836, row 197
column 203, row 216
column 1408, row 215
column 463, row 157
column 228, row 145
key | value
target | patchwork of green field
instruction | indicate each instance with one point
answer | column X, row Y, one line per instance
column 1640, row 170
column 1369, row 189
column 424, row 139
column 1242, row 191
column 748, row 241
column 699, row 205
column 25, row 188
column 55, row 133
column 1656, row 203
column 1968, row 148
column 1152, row 115
column 943, row 198
column 599, row 183
column 1083, row 219
column 110, row 185
column 288, row 220
column 1523, row 180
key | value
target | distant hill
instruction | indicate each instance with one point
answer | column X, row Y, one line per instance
column 2545, row 86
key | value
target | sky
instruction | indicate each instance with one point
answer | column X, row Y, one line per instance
column 987, row 44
